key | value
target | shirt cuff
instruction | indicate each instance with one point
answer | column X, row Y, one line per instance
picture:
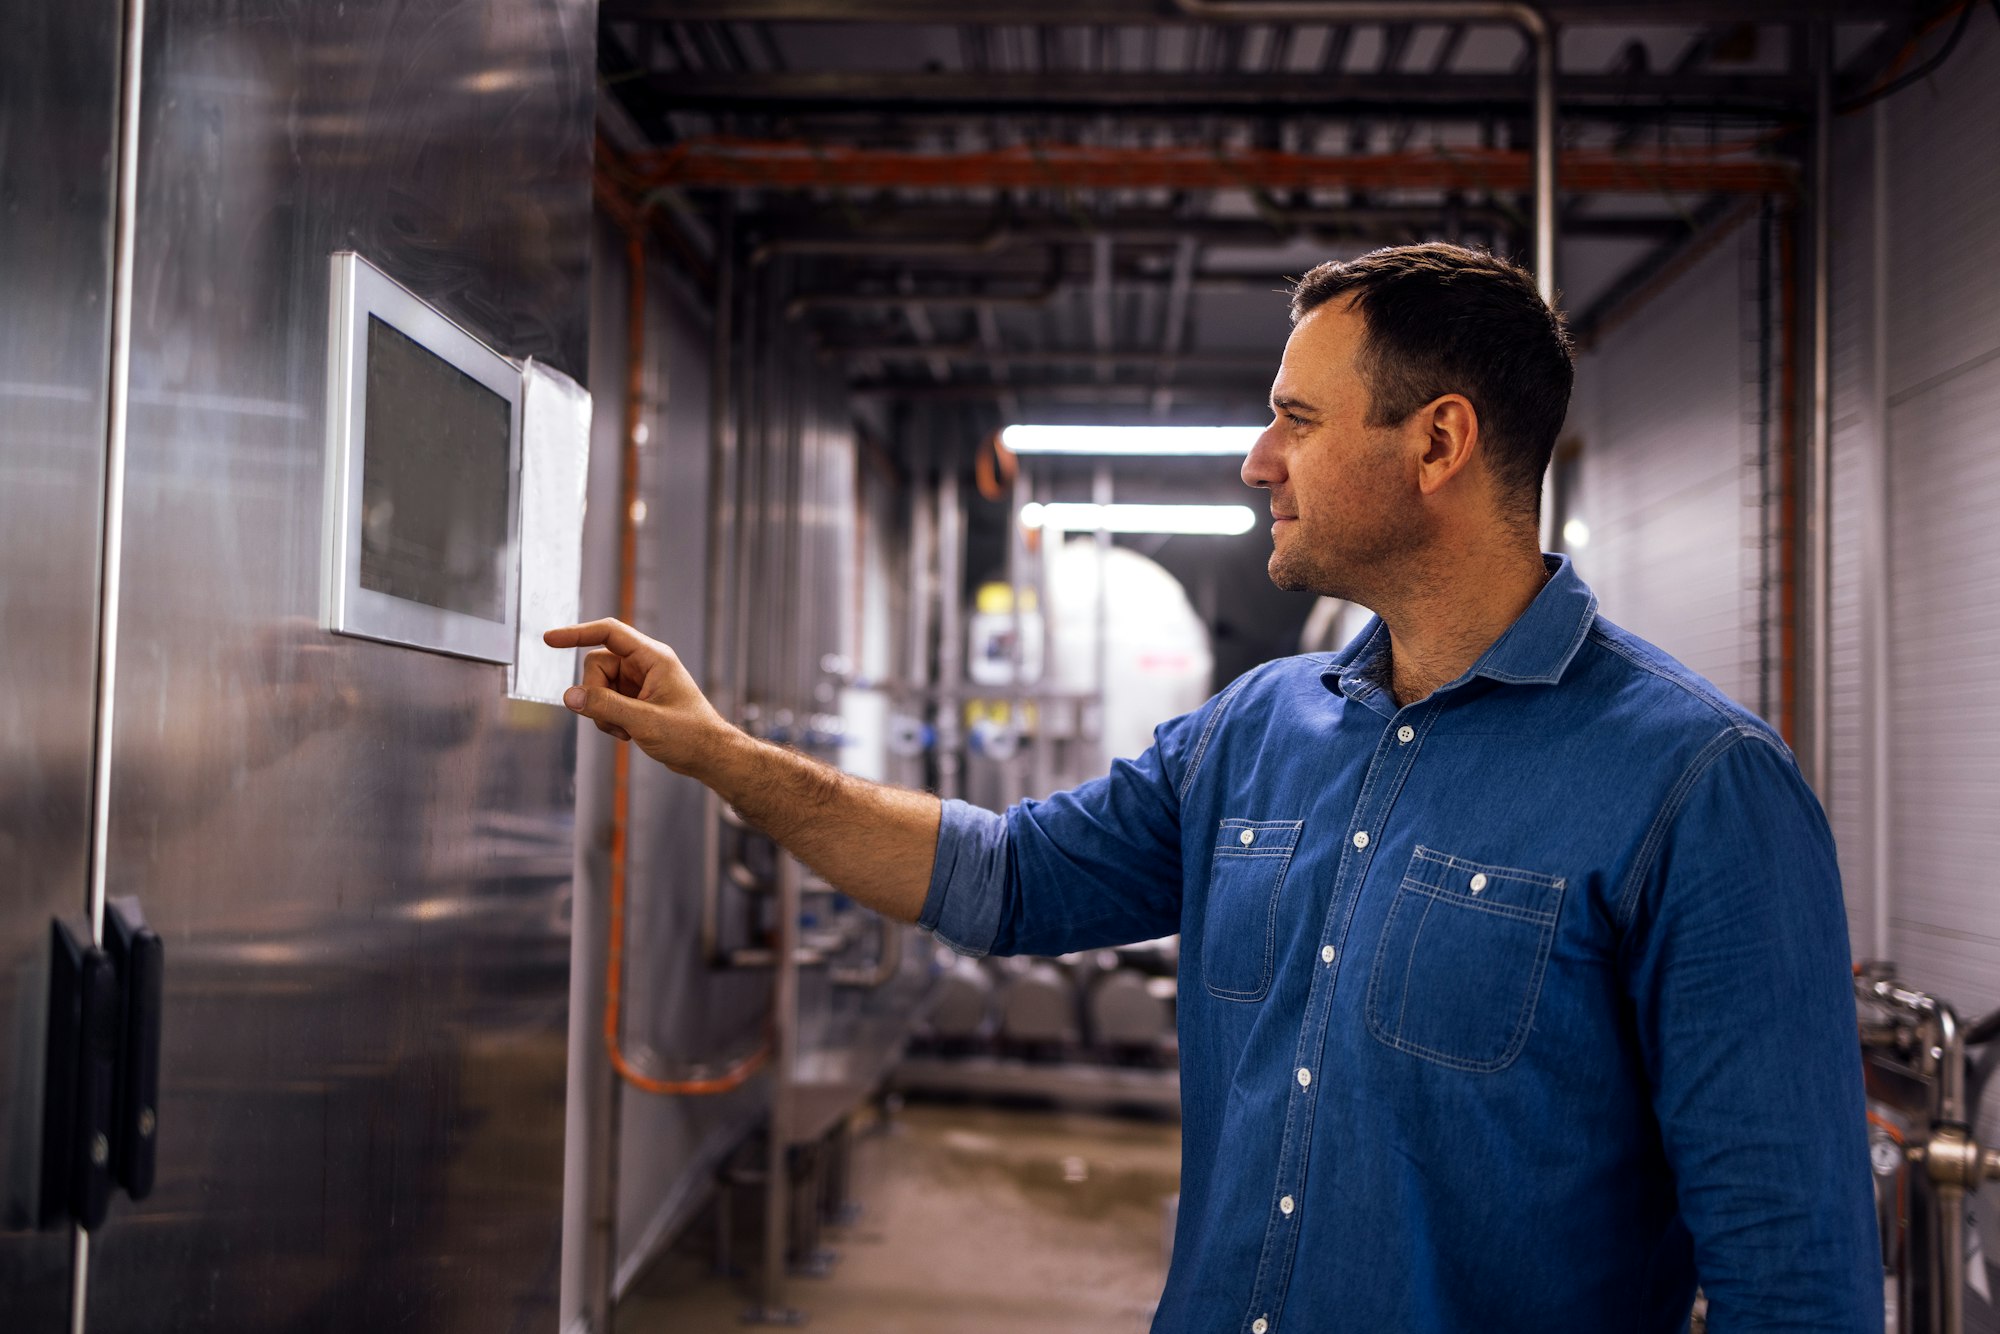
column 968, row 878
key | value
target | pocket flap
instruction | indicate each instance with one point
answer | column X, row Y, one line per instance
column 1257, row 838
column 1501, row 889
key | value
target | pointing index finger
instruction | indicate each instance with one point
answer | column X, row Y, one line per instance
column 615, row 635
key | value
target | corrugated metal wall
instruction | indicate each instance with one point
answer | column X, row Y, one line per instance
column 1943, row 410
column 1668, row 480
column 1668, row 485
column 675, row 1008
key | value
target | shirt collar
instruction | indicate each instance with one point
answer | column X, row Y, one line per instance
column 1535, row 650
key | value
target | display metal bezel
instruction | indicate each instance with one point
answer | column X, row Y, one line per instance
column 360, row 290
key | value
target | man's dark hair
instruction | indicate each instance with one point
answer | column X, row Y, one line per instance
column 1446, row 320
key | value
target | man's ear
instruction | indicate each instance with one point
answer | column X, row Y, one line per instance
column 1451, row 438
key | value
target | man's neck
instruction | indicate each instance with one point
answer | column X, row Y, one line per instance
column 1444, row 621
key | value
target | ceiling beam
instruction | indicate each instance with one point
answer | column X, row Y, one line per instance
column 1392, row 93
column 1205, row 363
column 1567, row 13
column 795, row 165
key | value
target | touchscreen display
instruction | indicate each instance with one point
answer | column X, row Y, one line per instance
column 434, row 480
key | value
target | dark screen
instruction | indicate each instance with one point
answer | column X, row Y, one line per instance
column 434, row 480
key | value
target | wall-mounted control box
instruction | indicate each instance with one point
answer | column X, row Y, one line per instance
column 442, row 455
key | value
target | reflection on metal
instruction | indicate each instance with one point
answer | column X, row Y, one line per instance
column 339, row 1067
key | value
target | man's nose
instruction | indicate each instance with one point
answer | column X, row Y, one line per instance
column 1263, row 466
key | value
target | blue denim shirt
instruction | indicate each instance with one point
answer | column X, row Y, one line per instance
column 1522, row 1007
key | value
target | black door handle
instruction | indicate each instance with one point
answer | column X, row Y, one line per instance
column 101, row 1073
column 81, row 1059
column 140, row 957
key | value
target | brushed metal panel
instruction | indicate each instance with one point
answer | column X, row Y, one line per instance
column 359, row 854
column 1944, row 720
column 1666, row 484
column 1944, row 248
column 58, row 101
column 1856, row 432
column 1944, row 484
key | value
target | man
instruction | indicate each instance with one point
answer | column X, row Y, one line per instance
column 1514, row 974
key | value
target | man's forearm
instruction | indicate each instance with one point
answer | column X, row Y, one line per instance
column 873, row 842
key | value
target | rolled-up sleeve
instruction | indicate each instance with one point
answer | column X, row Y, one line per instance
column 968, row 878
column 1097, row 865
column 1737, row 966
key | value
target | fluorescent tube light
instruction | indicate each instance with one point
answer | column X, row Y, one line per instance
column 1216, row 520
column 1141, row 440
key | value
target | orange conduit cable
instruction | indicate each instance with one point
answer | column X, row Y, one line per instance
column 739, row 1072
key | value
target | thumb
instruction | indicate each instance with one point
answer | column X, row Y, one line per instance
column 604, row 706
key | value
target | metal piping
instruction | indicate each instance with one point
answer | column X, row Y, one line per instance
column 111, row 552
column 696, row 1081
column 951, row 631
column 888, row 960
column 721, row 548
column 1819, row 514
column 1534, row 26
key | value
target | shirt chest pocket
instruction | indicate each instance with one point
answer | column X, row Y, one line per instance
column 1239, row 934
column 1461, row 960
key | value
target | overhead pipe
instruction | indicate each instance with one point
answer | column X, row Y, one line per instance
column 1533, row 24
column 1734, row 166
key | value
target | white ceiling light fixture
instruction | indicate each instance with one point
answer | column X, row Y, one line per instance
column 1576, row 534
column 1144, row 441
column 1198, row 520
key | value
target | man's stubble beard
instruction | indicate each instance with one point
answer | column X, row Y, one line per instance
column 1357, row 562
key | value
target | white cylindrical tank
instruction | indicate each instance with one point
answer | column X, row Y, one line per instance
column 1157, row 660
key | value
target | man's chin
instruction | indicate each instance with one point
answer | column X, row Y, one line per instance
column 1288, row 578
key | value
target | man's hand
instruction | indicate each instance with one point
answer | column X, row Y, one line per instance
column 875, row 842
column 635, row 689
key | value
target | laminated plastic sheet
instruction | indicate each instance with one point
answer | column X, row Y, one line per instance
column 555, row 473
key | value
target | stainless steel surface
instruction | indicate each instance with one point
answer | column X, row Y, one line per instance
column 362, row 294
column 59, row 102
column 359, row 855
column 111, row 529
column 1531, row 20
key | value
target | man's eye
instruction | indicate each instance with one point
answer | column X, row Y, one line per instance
column 1295, row 419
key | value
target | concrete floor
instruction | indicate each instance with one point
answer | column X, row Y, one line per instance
column 973, row 1221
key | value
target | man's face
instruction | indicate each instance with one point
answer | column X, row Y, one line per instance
column 1344, row 498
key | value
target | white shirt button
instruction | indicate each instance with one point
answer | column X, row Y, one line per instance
column 1361, row 838
column 1246, row 838
column 1260, row 1325
column 1285, row 1206
column 1406, row 734
column 1479, row 882
column 1305, row 1076
column 1326, row 954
